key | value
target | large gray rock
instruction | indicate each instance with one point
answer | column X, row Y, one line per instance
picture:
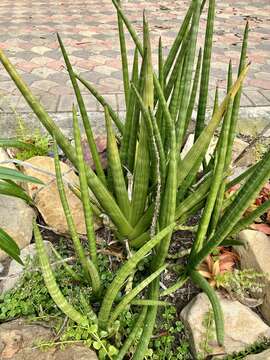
column 265, row 355
column 255, row 255
column 46, row 197
column 16, row 216
column 242, row 327
column 15, row 270
column 3, row 158
column 18, row 341
column 248, row 158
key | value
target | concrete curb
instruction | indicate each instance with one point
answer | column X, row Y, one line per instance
column 252, row 120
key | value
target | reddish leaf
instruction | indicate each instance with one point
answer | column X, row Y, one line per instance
column 261, row 227
column 234, row 188
column 101, row 143
column 268, row 216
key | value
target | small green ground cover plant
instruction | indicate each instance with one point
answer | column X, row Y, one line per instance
column 31, row 300
column 27, row 143
column 255, row 348
column 148, row 188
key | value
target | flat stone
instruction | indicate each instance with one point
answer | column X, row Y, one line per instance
column 189, row 144
column 239, row 145
column 16, row 217
column 252, row 122
column 242, row 327
column 237, row 171
column 256, row 98
column 19, row 340
column 3, row 158
column 255, row 255
column 249, row 158
column 46, row 197
column 15, row 270
column 265, row 355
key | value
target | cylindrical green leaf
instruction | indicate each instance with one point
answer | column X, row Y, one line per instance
column 88, row 214
column 116, row 168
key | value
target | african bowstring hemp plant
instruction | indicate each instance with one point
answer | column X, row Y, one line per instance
column 149, row 188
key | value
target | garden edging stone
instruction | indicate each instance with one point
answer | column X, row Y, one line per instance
column 19, row 341
column 242, row 326
column 255, row 255
column 16, row 217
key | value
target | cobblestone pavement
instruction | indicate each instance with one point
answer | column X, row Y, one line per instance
column 89, row 31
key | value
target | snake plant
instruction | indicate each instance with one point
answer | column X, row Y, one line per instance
column 149, row 188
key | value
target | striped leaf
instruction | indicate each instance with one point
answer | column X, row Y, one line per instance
column 124, row 272
column 15, row 175
column 10, row 247
column 142, row 164
column 235, row 210
column 217, row 180
column 116, row 168
column 69, row 218
column 217, row 310
column 134, row 292
column 104, row 197
column 127, row 135
column 190, row 56
column 200, row 121
column 198, row 150
column 103, row 102
column 87, row 208
column 123, row 51
column 250, row 218
column 15, row 143
column 84, row 115
column 133, row 334
column 12, row 189
column 51, row 284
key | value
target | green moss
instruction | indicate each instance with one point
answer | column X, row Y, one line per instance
column 41, row 142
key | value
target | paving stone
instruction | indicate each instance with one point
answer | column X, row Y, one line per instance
column 43, row 72
column 41, row 50
column 44, row 85
column 121, row 103
column 49, row 101
column 66, row 102
column 256, row 98
column 266, row 94
column 90, row 102
column 90, row 36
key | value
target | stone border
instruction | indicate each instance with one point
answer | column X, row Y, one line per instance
column 252, row 120
column 63, row 103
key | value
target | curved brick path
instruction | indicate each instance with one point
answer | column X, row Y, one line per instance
column 89, row 31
